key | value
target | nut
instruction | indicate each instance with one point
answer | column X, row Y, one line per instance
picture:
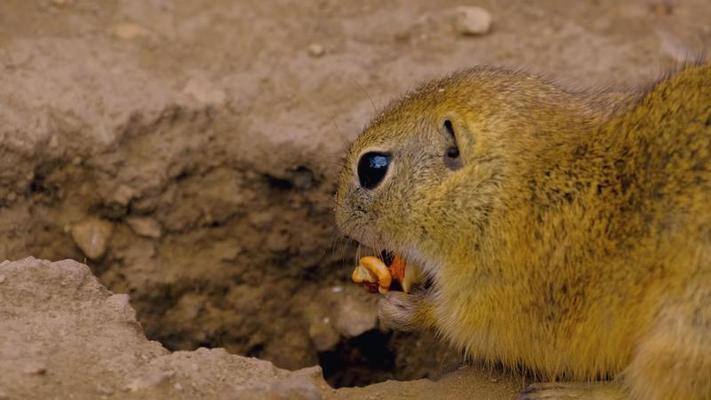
column 373, row 270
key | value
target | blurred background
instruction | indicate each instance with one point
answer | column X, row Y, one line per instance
column 187, row 150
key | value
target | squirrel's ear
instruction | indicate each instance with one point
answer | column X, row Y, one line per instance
column 458, row 135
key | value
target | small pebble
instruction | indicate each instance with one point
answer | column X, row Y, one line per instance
column 122, row 195
column 2, row 278
column 662, row 8
column 54, row 141
column 35, row 368
column 316, row 50
column 103, row 390
column 472, row 21
column 149, row 380
column 204, row 91
column 144, row 226
column 277, row 242
column 121, row 307
column 354, row 317
column 92, row 237
column 129, row 31
column 402, row 36
column 323, row 336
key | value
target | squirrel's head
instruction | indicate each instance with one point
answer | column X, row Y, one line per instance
column 428, row 172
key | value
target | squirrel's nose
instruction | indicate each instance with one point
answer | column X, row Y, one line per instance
column 372, row 168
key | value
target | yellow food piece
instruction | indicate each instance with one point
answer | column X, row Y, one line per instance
column 372, row 269
column 361, row 274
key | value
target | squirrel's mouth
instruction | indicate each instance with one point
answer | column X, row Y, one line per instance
column 387, row 270
column 387, row 256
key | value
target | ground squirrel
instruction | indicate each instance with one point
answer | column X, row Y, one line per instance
column 566, row 232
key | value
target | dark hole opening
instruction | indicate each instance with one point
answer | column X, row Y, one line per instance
column 279, row 183
column 359, row 361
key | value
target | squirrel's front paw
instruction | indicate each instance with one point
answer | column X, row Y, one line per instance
column 404, row 312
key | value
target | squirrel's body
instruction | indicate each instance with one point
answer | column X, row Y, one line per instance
column 566, row 236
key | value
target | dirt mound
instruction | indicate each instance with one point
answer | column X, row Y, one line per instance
column 64, row 333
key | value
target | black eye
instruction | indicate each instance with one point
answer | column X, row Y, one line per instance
column 372, row 168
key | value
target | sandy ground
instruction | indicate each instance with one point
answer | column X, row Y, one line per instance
column 186, row 150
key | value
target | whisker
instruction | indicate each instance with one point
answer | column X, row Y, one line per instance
column 367, row 94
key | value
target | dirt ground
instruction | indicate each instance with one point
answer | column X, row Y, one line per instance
column 186, row 152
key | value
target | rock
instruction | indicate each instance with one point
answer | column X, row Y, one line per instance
column 277, row 242
column 103, row 390
column 122, row 195
column 226, row 250
column 149, row 380
column 2, row 278
column 472, row 20
column 129, row 31
column 316, row 50
column 662, row 8
column 92, row 237
column 314, row 372
column 323, row 336
column 261, row 220
column 59, row 311
column 295, row 387
column 204, row 91
column 354, row 317
column 144, row 226
column 34, row 368
column 402, row 36
column 121, row 306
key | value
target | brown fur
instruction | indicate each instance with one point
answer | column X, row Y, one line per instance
column 576, row 238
